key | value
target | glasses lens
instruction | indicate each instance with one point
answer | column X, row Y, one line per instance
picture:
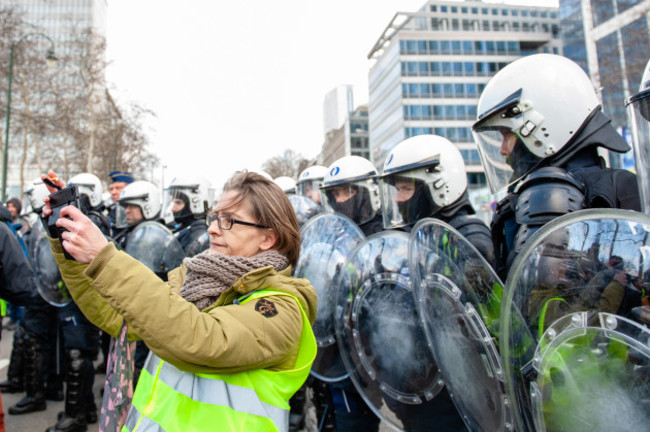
column 225, row 223
column 210, row 217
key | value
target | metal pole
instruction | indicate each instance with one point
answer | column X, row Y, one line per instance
column 5, row 152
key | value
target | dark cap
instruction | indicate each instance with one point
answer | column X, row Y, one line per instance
column 120, row 176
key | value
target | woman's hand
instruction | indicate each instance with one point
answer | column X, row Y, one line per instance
column 83, row 240
column 51, row 175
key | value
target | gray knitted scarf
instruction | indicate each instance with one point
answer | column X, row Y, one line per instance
column 209, row 275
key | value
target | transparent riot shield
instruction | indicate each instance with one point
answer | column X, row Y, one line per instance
column 382, row 342
column 155, row 246
column 48, row 279
column 458, row 297
column 580, row 284
column 327, row 239
column 304, row 207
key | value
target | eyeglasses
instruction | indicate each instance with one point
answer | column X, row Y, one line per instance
column 226, row 222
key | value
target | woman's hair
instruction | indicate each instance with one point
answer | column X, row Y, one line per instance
column 271, row 207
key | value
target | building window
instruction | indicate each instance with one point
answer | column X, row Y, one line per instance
column 484, row 11
column 504, row 12
column 443, row 8
column 463, row 10
column 486, row 25
column 434, row 47
column 454, row 9
column 495, row 11
column 524, row 13
column 514, row 12
column 434, row 8
column 475, row 10
column 533, row 13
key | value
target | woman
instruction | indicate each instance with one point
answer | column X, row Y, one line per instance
column 230, row 332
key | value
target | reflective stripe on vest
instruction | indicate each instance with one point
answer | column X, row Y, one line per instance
column 169, row 399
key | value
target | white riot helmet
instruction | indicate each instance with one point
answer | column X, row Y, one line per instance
column 421, row 175
column 287, row 184
column 352, row 181
column 543, row 99
column 90, row 189
column 310, row 181
column 638, row 107
column 188, row 198
column 143, row 194
column 35, row 192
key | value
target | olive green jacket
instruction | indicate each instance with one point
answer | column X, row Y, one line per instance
column 224, row 338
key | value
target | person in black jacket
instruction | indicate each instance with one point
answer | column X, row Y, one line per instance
column 539, row 128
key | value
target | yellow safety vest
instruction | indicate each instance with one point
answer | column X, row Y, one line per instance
column 169, row 399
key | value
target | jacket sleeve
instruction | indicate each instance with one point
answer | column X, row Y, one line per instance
column 226, row 339
column 17, row 282
column 92, row 304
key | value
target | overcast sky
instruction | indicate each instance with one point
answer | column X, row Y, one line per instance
column 234, row 83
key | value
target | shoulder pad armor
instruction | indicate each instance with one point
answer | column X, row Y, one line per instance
column 546, row 194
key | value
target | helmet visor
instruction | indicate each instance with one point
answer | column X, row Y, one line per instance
column 406, row 200
column 639, row 111
column 128, row 214
column 310, row 189
column 354, row 199
column 176, row 202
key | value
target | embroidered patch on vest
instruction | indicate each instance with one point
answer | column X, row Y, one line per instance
column 266, row 308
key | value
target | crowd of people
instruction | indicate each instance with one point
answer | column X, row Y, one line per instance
column 189, row 301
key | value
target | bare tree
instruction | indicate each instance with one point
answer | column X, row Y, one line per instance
column 288, row 164
column 66, row 118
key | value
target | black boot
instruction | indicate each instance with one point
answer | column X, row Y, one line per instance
column 15, row 372
column 297, row 412
column 34, row 385
column 322, row 398
column 79, row 369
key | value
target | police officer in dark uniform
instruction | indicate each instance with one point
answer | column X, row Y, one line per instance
column 33, row 365
column 139, row 202
column 539, row 128
column 188, row 199
column 424, row 177
column 351, row 188
column 119, row 180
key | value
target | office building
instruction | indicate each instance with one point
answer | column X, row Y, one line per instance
column 346, row 129
column 429, row 68
column 609, row 39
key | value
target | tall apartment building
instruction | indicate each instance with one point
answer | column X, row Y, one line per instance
column 430, row 66
column 610, row 40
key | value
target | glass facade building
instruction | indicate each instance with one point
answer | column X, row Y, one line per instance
column 430, row 67
column 612, row 44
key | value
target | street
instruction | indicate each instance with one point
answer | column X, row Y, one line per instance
column 38, row 421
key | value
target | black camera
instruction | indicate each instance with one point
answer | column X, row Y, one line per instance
column 58, row 200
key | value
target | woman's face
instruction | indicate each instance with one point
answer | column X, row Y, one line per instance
column 240, row 240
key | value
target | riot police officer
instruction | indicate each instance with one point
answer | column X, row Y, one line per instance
column 139, row 206
column 286, row 183
column 90, row 200
column 352, row 189
column 539, row 128
column 310, row 181
column 188, row 199
column 424, row 176
column 306, row 201
column 639, row 111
